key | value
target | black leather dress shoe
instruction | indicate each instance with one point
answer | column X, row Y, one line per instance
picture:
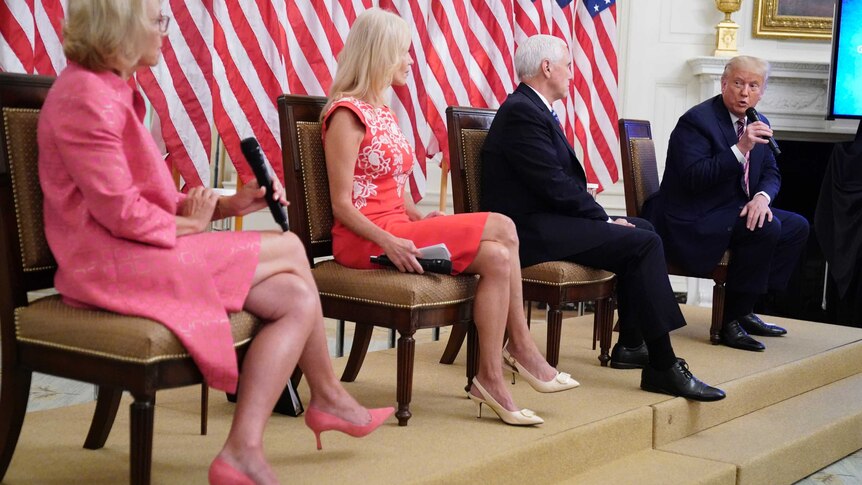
column 733, row 335
column 679, row 381
column 755, row 326
column 626, row 358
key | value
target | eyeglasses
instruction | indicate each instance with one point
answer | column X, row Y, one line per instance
column 163, row 22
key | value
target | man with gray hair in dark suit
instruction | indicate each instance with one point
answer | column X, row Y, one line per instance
column 531, row 174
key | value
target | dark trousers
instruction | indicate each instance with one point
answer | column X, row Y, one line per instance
column 646, row 303
column 763, row 259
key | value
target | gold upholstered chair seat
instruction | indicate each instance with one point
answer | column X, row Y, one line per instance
column 391, row 288
column 49, row 322
column 563, row 273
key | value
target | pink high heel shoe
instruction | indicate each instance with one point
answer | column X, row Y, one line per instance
column 222, row 473
column 320, row 421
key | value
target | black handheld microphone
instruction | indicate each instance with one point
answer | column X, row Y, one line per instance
column 442, row 266
column 254, row 156
column 752, row 116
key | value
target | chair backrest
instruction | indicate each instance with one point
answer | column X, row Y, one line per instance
column 468, row 128
column 26, row 262
column 304, row 163
column 640, row 171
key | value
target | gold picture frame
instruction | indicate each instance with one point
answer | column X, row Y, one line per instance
column 793, row 19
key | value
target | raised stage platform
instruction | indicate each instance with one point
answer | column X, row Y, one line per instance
column 789, row 412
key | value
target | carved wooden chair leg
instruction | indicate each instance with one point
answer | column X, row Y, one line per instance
column 13, row 407
column 361, row 339
column 107, row 404
column 605, row 317
column 142, row 413
column 555, row 330
column 205, row 401
column 529, row 305
column 717, row 313
column 453, row 346
column 404, row 387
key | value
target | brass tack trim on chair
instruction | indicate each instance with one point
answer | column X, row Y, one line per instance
column 568, row 283
column 309, row 179
column 78, row 350
column 436, row 304
column 16, row 189
column 469, row 135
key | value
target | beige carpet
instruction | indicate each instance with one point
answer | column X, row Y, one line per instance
column 607, row 417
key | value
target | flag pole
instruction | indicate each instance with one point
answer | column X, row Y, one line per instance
column 444, row 181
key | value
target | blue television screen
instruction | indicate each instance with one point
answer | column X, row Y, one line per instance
column 845, row 76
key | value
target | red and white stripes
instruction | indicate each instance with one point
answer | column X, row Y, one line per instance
column 226, row 61
column 595, row 94
column 31, row 36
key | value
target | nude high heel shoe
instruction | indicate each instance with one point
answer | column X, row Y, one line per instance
column 561, row 382
column 222, row 473
column 320, row 421
column 524, row 417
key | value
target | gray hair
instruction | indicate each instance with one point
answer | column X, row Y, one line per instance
column 534, row 50
column 749, row 63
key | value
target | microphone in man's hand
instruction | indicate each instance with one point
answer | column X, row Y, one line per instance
column 752, row 116
column 254, row 156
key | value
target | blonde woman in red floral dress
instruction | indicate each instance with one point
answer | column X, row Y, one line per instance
column 369, row 162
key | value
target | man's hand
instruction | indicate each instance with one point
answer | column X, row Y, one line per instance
column 755, row 133
column 622, row 222
column 757, row 210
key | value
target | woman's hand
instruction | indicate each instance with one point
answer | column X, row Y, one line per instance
column 250, row 198
column 402, row 253
column 433, row 214
column 196, row 211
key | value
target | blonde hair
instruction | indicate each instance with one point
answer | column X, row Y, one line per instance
column 370, row 57
column 749, row 63
column 105, row 34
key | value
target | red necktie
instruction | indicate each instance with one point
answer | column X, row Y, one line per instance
column 740, row 128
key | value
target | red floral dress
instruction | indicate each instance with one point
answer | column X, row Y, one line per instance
column 382, row 170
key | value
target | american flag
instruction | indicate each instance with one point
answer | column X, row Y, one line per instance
column 225, row 62
column 31, row 36
column 595, row 94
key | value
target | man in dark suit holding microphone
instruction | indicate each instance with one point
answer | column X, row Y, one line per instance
column 719, row 180
column 531, row 174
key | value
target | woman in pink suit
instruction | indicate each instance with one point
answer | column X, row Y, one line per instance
column 369, row 160
column 125, row 240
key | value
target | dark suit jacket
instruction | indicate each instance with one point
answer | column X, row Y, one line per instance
column 531, row 174
column 701, row 193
